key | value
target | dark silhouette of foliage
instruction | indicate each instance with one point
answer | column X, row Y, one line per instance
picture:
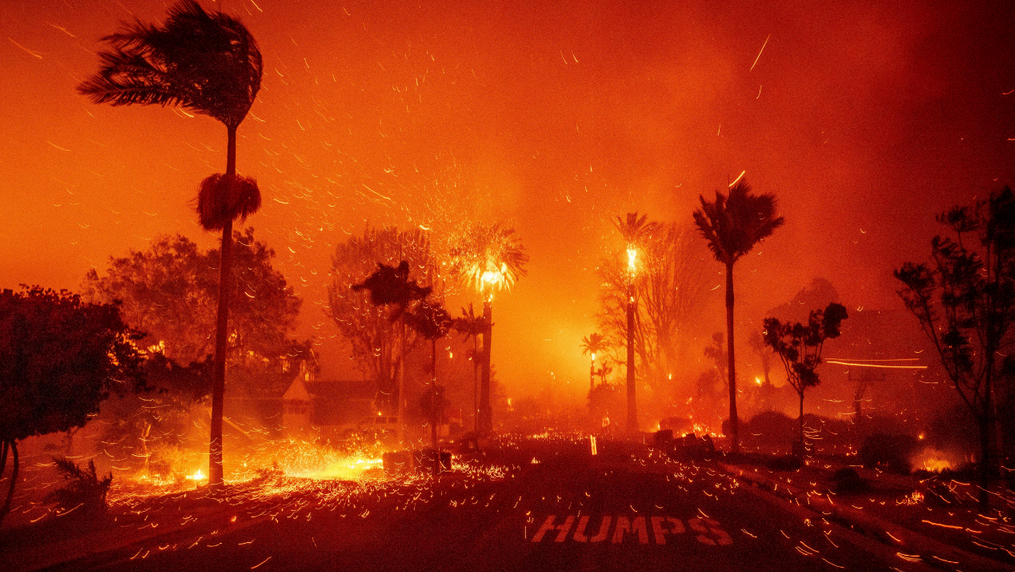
column 732, row 225
column 592, row 345
column 373, row 331
column 433, row 322
column 219, row 202
column 799, row 347
column 472, row 326
column 169, row 291
column 84, row 493
column 208, row 63
column 390, row 286
column 635, row 231
column 964, row 298
column 59, row 359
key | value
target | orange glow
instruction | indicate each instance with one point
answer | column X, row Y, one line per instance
column 934, row 461
column 553, row 127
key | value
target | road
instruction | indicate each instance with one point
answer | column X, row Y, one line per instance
column 556, row 507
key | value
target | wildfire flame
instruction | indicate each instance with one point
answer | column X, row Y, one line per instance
column 933, row 461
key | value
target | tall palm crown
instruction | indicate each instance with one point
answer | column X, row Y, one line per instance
column 635, row 229
column 593, row 344
column 489, row 257
column 207, row 63
column 733, row 225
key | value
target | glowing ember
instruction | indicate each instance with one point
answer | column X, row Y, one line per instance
column 346, row 469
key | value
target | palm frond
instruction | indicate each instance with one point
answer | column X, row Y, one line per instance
column 733, row 224
column 220, row 200
column 207, row 63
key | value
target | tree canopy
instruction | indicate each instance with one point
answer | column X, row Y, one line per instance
column 60, row 358
column 369, row 329
column 964, row 298
column 170, row 292
column 799, row 347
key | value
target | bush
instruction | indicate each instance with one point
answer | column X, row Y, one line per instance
column 85, row 492
column 890, row 452
column 770, row 429
column 847, row 480
column 785, row 463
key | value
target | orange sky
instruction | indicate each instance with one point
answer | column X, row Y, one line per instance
column 864, row 120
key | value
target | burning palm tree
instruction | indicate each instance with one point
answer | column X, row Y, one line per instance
column 489, row 258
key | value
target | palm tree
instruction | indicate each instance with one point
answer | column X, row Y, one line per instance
column 433, row 322
column 732, row 226
column 488, row 258
column 208, row 63
column 593, row 344
column 472, row 326
column 636, row 230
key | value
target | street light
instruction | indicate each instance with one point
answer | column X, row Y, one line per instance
column 632, row 407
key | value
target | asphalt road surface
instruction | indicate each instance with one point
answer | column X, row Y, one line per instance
column 555, row 507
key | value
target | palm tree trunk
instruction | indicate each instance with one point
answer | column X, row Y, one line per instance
column 485, row 412
column 731, row 366
column 215, row 471
column 632, row 405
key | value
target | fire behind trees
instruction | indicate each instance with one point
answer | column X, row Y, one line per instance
column 169, row 291
column 964, row 298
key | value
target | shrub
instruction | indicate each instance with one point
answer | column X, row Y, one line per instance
column 890, row 452
column 85, row 491
column 847, row 480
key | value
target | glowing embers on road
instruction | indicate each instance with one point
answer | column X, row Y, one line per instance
column 621, row 529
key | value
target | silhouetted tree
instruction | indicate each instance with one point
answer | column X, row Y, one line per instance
column 208, row 63
column 799, row 347
column 732, row 225
column 636, row 231
column 488, row 258
column 591, row 345
column 964, row 299
column 59, row 359
column 390, row 286
column 169, row 291
column 371, row 330
column 472, row 326
column 433, row 322
column 669, row 287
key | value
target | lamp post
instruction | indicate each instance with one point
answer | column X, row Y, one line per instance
column 632, row 407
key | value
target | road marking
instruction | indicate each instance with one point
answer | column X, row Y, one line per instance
column 705, row 530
